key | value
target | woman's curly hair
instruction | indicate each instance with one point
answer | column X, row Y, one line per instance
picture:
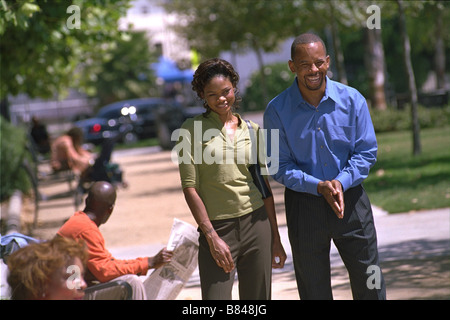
column 210, row 69
column 31, row 267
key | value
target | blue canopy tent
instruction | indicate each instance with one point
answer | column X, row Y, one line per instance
column 167, row 70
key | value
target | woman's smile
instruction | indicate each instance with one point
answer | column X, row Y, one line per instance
column 219, row 94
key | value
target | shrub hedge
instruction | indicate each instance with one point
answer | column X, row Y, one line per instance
column 13, row 149
column 399, row 120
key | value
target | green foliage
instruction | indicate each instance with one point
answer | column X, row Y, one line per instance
column 215, row 25
column 126, row 74
column 398, row 120
column 212, row 26
column 12, row 152
column 16, row 13
column 278, row 78
column 40, row 53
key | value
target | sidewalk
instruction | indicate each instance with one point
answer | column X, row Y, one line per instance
column 414, row 247
column 414, row 252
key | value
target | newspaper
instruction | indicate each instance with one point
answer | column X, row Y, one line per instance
column 166, row 283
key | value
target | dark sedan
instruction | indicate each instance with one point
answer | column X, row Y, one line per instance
column 135, row 119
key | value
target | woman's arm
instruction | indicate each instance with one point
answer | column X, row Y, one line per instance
column 278, row 253
column 220, row 251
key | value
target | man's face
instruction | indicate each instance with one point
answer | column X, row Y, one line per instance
column 310, row 65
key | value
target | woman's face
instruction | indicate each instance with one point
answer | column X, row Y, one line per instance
column 68, row 283
column 219, row 94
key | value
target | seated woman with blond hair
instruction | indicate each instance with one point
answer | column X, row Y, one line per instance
column 51, row 270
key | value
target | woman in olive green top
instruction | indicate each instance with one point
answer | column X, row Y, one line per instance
column 238, row 229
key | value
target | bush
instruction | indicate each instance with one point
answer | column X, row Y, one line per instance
column 398, row 120
column 12, row 152
column 278, row 78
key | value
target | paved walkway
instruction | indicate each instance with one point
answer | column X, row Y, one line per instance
column 414, row 249
column 414, row 252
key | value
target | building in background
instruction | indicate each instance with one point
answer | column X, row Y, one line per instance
column 151, row 17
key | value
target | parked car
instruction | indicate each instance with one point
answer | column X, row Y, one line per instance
column 136, row 119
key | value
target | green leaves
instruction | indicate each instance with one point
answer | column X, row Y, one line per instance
column 16, row 13
column 40, row 54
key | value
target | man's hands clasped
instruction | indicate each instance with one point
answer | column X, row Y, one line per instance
column 334, row 195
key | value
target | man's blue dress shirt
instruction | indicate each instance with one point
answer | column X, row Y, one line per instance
column 336, row 140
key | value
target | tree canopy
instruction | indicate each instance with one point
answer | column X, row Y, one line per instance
column 44, row 44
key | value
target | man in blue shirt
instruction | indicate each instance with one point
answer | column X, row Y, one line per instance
column 326, row 147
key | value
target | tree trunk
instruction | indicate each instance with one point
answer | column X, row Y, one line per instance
column 259, row 57
column 411, row 79
column 376, row 65
column 4, row 109
column 439, row 52
column 340, row 66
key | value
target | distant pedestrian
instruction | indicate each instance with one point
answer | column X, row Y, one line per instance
column 327, row 146
column 40, row 136
column 238, row 229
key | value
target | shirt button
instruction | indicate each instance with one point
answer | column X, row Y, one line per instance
column 321, row 147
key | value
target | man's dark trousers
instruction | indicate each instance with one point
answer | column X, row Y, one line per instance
column 311, row 226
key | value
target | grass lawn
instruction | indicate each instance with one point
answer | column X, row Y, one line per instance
column 401, row 182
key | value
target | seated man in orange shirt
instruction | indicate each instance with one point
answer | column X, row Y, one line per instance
column 101, row 265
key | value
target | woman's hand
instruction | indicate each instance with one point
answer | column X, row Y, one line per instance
column 220, row 252
column 278, row 254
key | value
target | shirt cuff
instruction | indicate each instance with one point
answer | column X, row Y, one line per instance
column 345, row 179
column 311, row 185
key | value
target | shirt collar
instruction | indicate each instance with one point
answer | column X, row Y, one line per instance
column 294, row 92
column 216, row 119
column 330, row 91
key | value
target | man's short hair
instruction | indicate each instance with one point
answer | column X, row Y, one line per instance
column 304, row 39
